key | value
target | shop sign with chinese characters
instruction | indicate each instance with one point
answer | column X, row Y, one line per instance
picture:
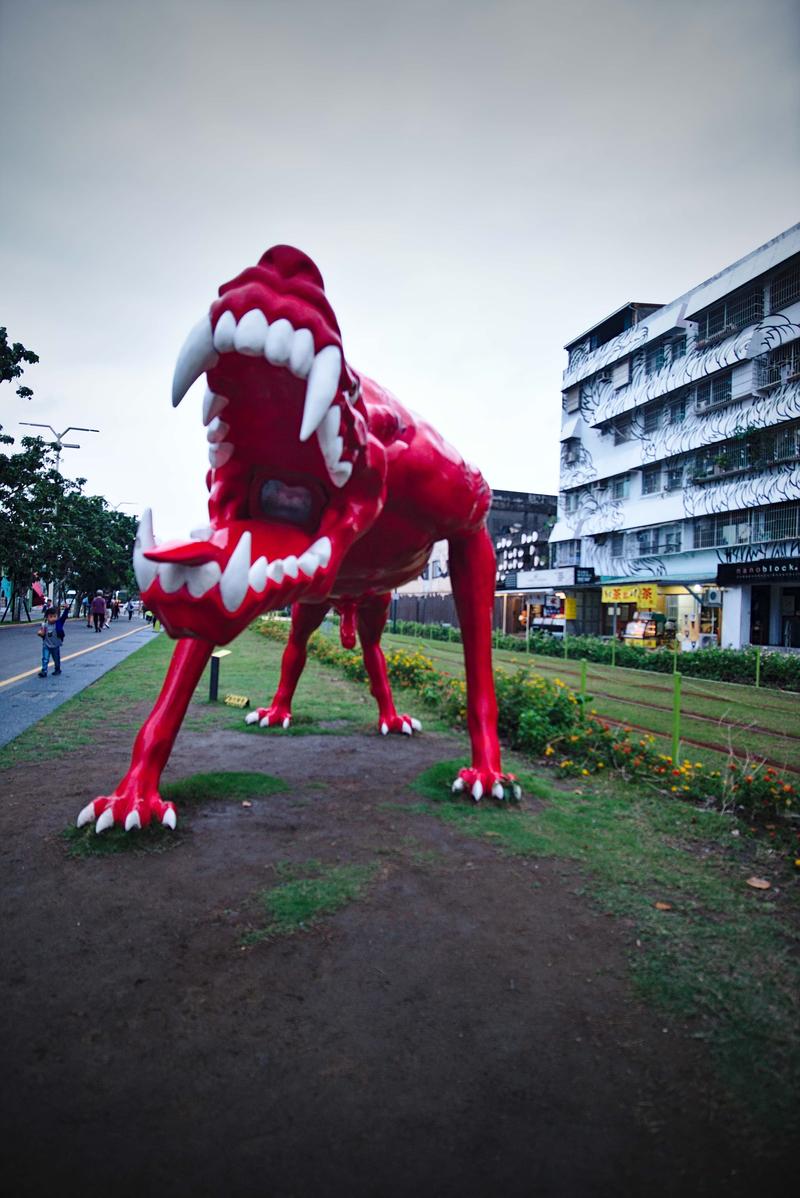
column 643, row 594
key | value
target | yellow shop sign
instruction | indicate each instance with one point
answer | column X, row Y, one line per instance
column 644, row 594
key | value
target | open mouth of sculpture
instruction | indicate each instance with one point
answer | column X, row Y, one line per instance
column 285, row 439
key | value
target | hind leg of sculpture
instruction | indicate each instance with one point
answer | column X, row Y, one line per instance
column 472, row 571
column 371, row 620
column 306, row 618
column 136, row 800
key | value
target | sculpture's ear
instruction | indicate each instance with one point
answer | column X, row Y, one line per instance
column 290, row 262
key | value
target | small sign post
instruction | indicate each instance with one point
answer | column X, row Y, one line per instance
column 213, row 682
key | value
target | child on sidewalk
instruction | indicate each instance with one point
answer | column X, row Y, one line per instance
column 52, row 634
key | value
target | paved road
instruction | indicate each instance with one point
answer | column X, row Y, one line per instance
column 85, row 656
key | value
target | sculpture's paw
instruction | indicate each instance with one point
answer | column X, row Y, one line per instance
column 404, row 724
column 477, row 783
column 275, row 716
column 130, row 810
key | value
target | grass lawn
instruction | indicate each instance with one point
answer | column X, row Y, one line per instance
column 763, row 723
column 716, row 952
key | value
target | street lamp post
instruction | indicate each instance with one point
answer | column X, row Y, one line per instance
column 59, row 437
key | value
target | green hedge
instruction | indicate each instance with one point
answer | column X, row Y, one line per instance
column 722, row 665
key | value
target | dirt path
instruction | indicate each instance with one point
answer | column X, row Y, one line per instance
column 464, row 1029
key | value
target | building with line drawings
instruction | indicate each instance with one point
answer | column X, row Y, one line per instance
column 680, row 458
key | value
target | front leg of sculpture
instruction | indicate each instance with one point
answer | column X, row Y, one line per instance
column 371, row 619
column 136, row 801
column 472, row 571
column 306, row 618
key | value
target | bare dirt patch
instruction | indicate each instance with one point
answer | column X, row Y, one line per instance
column 465, row 1028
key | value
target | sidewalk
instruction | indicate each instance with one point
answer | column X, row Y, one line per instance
column 27, row 699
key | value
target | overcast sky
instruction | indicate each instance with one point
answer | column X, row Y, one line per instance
column 478, row 182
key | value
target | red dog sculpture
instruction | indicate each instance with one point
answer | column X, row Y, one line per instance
column 324, row 491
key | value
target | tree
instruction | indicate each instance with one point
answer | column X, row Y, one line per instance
column 10, row 358
column 49, row 528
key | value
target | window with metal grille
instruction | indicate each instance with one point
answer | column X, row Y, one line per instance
column 569, row 450
column 652, row 418
column 617, row 544
column 784, row 289
column 713, row 392
column 568, row 553
column 778, row 522
column 780, row 365
column 729, row 315
column 674, row 477
column 651, row 480
column 671, row 538
column 678, row 346
column 622, row 431
column 654, row 359
column 620, row 486
column 677, row 412
column 646, row 542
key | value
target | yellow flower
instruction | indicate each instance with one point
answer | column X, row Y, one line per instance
column 585, row 773
column 549, row 751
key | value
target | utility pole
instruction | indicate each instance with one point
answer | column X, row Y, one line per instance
column 60, row 444
column 59, row 437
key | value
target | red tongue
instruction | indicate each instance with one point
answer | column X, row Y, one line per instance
column 186, row 553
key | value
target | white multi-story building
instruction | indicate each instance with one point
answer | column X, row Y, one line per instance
column 680, row 458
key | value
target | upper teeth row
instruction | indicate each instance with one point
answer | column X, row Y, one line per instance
column 239, row 574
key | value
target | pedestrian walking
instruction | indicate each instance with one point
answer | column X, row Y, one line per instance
column 129, row 609
column 52, row 634
column 98, row 611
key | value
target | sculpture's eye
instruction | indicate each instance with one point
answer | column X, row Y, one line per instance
column 290, row 505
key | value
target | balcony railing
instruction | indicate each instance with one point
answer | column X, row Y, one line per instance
column 737, row 457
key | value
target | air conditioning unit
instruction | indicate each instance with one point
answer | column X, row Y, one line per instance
column 604, row 377
column 712, row 597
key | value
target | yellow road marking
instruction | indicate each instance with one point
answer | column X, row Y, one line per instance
column 70, row 656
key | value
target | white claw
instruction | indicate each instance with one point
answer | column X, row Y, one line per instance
column 251, row 717
column 497, row 791
column 264, row 723
column 384, row 729
column 132, row 821
column 169, row 818
column 86, row 816
column 286, row 721
column 517, row 791
column 477, row 790
column 405, row 728
column 457, row 786
column 196, row 357
column 416, row 725
column 106, row 820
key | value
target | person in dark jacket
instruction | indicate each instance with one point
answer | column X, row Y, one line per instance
column 98, row 611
